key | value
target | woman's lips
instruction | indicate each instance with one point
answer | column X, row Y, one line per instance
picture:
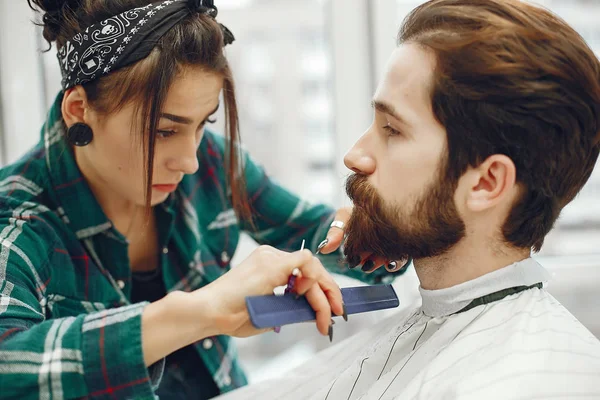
column 165, row 188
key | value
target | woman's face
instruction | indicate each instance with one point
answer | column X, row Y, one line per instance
column 113, row 163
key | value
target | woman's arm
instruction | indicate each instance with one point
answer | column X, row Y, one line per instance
column 220, row 307
column 108, row 353
column 90, row 355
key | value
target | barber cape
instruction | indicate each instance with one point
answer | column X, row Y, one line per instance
column 500, row 336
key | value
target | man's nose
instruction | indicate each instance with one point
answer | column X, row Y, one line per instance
column 359, row 160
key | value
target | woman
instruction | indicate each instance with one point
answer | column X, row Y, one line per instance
column 128, row 198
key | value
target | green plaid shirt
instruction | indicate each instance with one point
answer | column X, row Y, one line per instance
column 67, row 327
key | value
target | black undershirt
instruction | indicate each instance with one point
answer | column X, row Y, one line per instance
column 149, row 286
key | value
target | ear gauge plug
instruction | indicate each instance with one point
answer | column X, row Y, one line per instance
column 392, row 267
column 80, row 134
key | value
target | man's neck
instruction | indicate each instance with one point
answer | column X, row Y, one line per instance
column 464, row 262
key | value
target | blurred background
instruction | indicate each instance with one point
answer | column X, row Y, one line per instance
column 305, row 73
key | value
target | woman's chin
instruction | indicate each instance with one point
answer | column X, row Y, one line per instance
column 158, row 198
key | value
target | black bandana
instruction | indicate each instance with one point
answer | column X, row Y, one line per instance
column 124, row 39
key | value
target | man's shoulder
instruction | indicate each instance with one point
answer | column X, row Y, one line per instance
column 536, row 313
column 531, row 322
column 524, row 346
column 528, row 344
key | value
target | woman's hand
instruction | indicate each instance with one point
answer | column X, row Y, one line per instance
column 264, row 270
column 335, row 238
column 335, row 235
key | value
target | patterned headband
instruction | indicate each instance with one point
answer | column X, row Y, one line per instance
column 125, row 38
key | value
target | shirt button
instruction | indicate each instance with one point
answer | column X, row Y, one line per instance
column 225, row 257
column 227, row 380
column 121, row 284
column 207, row 344
column 165, row 250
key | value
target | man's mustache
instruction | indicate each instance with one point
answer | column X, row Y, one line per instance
column 359, row 190
column 364, row 196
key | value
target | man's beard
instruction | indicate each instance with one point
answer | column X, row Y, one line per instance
column 433, row 227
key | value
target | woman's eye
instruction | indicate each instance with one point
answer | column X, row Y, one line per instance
column 210, row 120
column 165, row 134
column 391, row 131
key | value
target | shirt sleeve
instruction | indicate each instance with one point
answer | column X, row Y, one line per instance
column 283, row 220
column 96, row 355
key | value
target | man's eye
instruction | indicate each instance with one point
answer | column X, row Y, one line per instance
column 391, row 131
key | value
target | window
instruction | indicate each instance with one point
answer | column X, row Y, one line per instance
column 283, row 70
column 21, row 81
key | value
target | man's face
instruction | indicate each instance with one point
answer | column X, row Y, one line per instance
column 404, row 206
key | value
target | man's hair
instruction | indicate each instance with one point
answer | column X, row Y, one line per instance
column 513, row 79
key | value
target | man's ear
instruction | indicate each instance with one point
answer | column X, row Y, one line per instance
column 491, row 183
column 74, row 106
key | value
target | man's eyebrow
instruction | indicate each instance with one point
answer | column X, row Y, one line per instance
column 185, row 120
column 389, row 110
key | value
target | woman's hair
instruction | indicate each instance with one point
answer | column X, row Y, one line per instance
column 197, row 41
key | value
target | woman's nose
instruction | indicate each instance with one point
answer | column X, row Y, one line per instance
column 185, row 158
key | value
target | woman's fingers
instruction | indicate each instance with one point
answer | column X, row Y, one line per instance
column 321, row 291
column 334, row 296
column 318, row 301
column 314, row 273
column 273, row 267
column 298, row 259
column 373, row 263
column 276, row 266
column 335, row 235
column 334, row 239
column 370, row 262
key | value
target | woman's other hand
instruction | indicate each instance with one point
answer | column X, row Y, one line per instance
column 335, row 237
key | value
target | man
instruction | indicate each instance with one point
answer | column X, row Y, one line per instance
column 487, row 123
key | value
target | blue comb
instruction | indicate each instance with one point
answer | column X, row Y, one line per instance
column 273, row 311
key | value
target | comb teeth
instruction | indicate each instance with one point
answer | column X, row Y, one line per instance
column 273, row 311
